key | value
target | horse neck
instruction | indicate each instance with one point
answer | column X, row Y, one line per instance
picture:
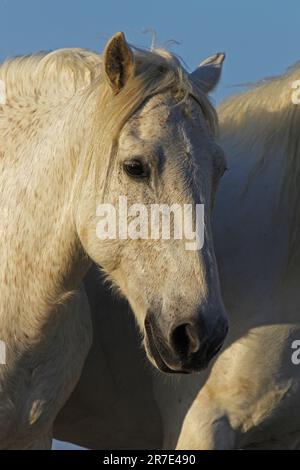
column 41, row 256
column 253, row 215
column 260, row 134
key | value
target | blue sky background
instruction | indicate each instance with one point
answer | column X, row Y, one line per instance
column 260, row 37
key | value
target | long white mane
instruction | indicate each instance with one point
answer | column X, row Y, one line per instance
column 49, row 73
column 57, row 77
column 64, row 72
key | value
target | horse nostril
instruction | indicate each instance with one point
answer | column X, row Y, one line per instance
column 185, row 340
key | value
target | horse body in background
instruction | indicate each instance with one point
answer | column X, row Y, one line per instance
column 77, row 130
column 249, row 396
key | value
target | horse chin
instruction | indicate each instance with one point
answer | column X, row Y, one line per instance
column 155, row 357
column 158, row 362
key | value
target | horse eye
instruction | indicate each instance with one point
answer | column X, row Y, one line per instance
column 136, row 169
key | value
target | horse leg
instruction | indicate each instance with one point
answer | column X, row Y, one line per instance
column 44, row 443
column 206, row 429
column 37, row 386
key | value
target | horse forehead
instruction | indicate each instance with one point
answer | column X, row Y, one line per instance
column 161, row 115
column 154, row 118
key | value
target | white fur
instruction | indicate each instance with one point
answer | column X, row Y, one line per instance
column 249, row 397
column 63, row 136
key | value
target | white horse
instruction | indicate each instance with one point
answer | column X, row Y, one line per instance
column 249, row 396
column 76, row 131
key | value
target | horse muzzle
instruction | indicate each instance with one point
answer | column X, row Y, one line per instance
column 189, row 348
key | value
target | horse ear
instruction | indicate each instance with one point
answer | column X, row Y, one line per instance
column 208, row 73
column 118, row 62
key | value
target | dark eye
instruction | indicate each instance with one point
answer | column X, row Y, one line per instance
column 136, row 169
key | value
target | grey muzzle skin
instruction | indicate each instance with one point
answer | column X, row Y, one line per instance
column 190, row 346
